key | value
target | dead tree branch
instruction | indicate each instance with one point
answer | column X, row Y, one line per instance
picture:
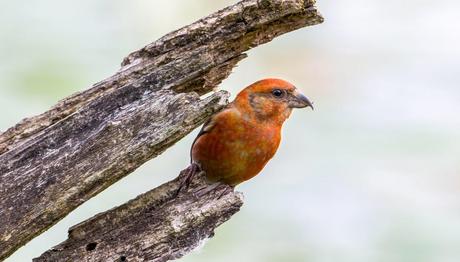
column 156, row 226
column 52, row 163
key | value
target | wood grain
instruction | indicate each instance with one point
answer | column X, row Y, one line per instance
column 52, row 163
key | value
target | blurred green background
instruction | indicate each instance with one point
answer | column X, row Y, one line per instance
column 371, row 175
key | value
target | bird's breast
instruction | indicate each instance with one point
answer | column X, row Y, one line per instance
column 235, row 150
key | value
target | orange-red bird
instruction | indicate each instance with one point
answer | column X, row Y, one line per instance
column 236, row 143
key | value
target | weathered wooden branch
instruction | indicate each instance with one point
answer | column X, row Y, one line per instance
column 156, row 226
column 53, row 162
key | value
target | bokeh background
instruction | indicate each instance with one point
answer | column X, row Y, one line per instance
column 371, row 175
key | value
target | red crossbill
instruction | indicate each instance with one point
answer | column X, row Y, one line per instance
column 236, row 143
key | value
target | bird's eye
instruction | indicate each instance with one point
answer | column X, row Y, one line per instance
column 278, row 93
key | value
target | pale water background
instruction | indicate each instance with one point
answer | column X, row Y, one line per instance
column 373, row 174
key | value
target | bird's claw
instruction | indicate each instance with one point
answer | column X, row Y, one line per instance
column 187, row 176
column 226, row 189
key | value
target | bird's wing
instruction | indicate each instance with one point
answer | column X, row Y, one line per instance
column 207, row 126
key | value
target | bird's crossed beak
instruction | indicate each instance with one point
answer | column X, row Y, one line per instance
column 298, row 100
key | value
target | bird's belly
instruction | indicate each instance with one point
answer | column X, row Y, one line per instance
column 235, row 157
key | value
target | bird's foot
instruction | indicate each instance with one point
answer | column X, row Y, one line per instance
column 187, row 176
column 226, row 189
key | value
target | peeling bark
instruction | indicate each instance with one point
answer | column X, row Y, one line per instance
column 53, row 162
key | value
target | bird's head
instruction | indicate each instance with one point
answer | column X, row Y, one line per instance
column 271, row 100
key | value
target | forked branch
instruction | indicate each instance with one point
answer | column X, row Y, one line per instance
column 52, row 163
